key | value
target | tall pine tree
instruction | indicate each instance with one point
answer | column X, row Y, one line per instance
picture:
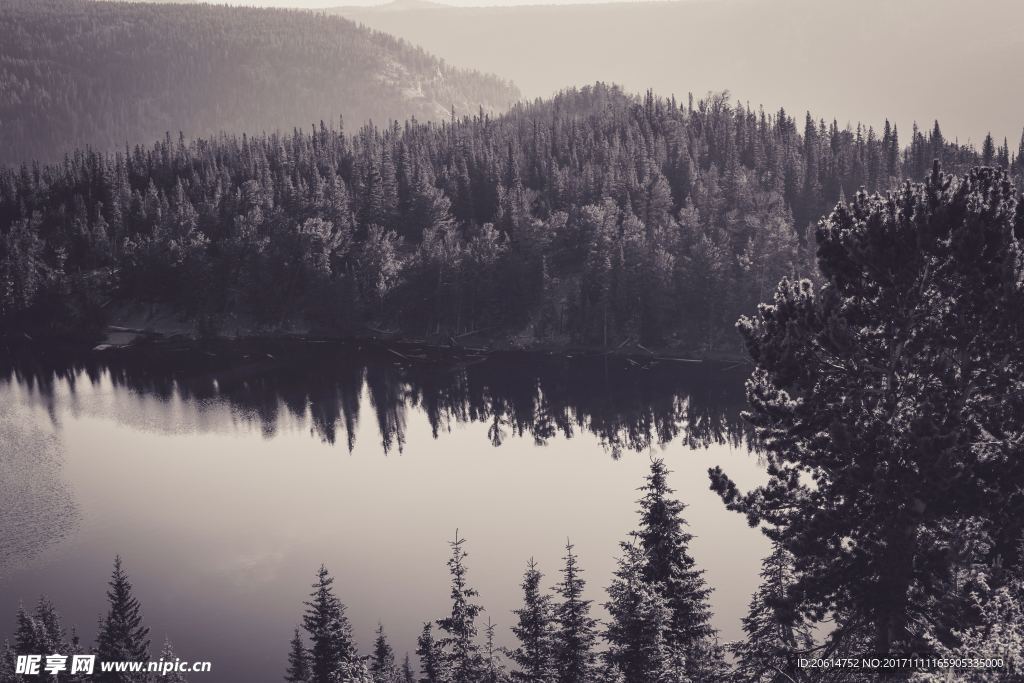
column 665, row 544
column 298, row 661
column 461, row 650
column 575, row 631
column 330, row 634
column 122, row 635
column 776, row 631
column 534, row 629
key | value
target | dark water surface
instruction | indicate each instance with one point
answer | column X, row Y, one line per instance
column 224, row 477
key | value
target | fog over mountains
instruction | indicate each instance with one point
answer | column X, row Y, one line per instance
column 106, row 74
column 857, row 61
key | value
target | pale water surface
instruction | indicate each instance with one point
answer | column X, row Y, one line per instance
column 225, row 483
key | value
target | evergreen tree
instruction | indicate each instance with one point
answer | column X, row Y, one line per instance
column 461, row 650
column 493, row 668
column 121, row 636
column 167, row 654
column 407, row 675
column 431, row 654
column 534, row 630
column 7, row 664
column 882, row 403
column 665, row 543
column 330, row 634
column 640, row 618
column 382, row 661
column 575, row 631
column 1019, row 159
column 298, row 661
column 988, row 150
column 775, row 629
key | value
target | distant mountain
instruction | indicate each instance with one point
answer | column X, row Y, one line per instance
column 405, row 6
column 78, row 73
column 858, row 59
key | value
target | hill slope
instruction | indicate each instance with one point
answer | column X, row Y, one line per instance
column 75, row 73
column 865, row 60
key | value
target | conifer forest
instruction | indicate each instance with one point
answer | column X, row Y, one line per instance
column 324, row 360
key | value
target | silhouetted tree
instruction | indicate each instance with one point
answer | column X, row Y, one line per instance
column 534, row 630
column 298, row 661
column 122, row 635
column 330, row 634
column 462, row 653
column 575, row 630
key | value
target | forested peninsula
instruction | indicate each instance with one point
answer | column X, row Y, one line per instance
column 594, row 219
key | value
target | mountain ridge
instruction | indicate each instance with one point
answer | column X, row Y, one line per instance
column 910, row 61
column 105, row 74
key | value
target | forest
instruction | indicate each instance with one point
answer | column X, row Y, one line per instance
column 103, row 75
column 594, row 219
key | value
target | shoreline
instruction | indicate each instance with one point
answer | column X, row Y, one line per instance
column 120, row 339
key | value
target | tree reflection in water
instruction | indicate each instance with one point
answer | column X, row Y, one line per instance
column 629, row 404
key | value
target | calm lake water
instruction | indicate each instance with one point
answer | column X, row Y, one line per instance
column 224, row 478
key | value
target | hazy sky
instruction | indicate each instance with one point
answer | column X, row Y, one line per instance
column 458, row 3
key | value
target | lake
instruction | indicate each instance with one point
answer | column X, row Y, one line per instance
column 225, row 476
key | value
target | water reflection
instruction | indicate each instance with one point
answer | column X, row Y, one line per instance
column 215, row 474
column 627, row 404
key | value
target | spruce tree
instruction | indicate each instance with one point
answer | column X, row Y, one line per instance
column 534, row 629
column 121, row 636
column 640, row 617
column 432, row 661
column 493, row 669
column 575, row 631
column 382, row 661
column 1018, row 161
column 168, row 654
column 298, row 660
column 330, row 634
column 988, row 150
column 407, row 675
column 461, row 650
column 665, row 544
column 775, row 630
column 7, row 664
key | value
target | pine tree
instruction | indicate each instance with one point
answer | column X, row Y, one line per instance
column 407, row 675
column 432, row 660
column 640, row 619
column 382, row 662
column 167, row 654
column 575, row 631
column 493, row 670
column 775, row 630
column 461, row 651
column 534, row 630
column 882, row 406
column 1019, row 159
column 121, row 636
column 330, row 634
column 988, row 150
column 7, row 664
column 298, row 661
column 665, row 543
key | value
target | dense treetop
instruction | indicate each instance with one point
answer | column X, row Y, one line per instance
column 595, row 218
column 103, row 74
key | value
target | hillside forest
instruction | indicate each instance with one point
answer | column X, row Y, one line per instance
column 594, row 219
